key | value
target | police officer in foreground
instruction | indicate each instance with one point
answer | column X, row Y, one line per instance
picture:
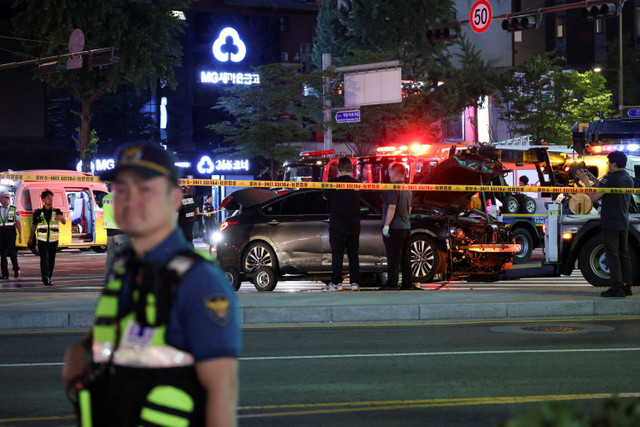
column 164, row 346
column 10, row 222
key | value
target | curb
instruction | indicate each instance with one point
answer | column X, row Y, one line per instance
column 264, row 316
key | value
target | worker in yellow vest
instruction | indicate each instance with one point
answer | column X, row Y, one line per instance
column 46, row 229
column 115, row 238
column 9, row 223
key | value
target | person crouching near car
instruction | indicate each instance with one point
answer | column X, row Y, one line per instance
column 396, row 231
column 165, row 343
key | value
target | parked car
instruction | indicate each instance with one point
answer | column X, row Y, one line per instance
column 271, row 236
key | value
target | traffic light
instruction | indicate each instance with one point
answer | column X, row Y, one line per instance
column 599, row 11
column 447, row 32
column 520, row 24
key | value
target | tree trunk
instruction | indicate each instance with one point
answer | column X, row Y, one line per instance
column 85, row 135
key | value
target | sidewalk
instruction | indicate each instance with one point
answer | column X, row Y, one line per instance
column 74, row 310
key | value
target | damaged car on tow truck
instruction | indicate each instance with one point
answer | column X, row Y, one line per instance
column 272, row 237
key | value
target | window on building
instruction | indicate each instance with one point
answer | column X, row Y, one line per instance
column 560, row 27
column 637, row 22
column 599, row 26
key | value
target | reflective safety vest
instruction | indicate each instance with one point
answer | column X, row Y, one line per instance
column 10, row 219
column 108, row 218
column 48, row 231
column 134, row 364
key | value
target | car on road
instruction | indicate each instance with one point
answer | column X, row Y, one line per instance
column 271, row 237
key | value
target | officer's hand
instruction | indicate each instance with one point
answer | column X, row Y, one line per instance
column 19, row 239
column 385, row 231
column 75, row 366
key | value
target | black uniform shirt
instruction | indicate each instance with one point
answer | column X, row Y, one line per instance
column 345, row 206
column 614, row 214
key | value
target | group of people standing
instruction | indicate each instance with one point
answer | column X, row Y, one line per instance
column 344, row 230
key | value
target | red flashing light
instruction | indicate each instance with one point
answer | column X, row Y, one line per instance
column 317, row 153
column 226, row 224
column 414, row 148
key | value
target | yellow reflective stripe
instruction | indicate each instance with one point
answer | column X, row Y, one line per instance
column 171, row 397
column 104, row 333
column 114, row 285
column 162, row 419
column 84, row 403
column 151, row 309
column 107, row 306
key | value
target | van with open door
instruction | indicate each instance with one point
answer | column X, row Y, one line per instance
column 76, row 194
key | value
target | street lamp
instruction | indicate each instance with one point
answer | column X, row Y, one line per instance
column 598, row 69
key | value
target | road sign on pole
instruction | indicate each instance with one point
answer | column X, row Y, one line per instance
column 480, row 16
column 634, row 112
column 348, row 116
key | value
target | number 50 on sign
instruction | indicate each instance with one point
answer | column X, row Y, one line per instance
column 480, row 16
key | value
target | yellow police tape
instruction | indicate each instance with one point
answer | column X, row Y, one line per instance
column 332, row 185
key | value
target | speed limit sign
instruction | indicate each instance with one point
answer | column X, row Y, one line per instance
column 480, row 16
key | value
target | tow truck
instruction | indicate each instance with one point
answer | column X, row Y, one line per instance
column 313, row 166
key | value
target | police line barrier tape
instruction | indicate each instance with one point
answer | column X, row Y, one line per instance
column 334, row 185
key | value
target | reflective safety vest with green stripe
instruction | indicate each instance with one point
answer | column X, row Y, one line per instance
column 133, row 362
column 108, row 218
column 10, row 219
column 48, row 231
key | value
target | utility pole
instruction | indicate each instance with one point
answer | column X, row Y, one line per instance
column 620, row 73
column 326, row 102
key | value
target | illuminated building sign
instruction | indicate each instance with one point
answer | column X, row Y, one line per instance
column 206, row 166
column 229, row 47
column 98, row 165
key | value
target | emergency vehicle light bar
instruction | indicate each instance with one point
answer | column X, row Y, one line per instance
column 316, row 153
column 414, row 148
column 601, row 149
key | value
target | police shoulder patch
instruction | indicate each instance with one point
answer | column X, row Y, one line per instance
column 218, row 308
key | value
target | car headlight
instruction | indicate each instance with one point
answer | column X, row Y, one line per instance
column 216, row 237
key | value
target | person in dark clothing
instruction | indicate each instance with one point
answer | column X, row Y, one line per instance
column 208, row 222
column 396, row 231
column 344, row 228
column 46, row 230
column 614, row 223
column 187, row 214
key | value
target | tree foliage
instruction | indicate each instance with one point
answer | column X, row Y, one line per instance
column 142, row 33
column 537, row 97
column 443, row 83
column 268, row 116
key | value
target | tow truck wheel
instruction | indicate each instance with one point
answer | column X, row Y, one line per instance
column 524, row 239
column 591, row 262
column 528, row 205
column 427, row 258
column 234, row 277
column 264, row 279
column 510, row 205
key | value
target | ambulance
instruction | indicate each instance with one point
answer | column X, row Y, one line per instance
column 77, row 194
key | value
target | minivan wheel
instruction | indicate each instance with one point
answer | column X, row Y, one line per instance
column 264, row 279
column 258, row 255
column 426, row 258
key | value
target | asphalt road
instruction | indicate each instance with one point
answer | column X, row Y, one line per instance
column 457, row 374
column 84, row 270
